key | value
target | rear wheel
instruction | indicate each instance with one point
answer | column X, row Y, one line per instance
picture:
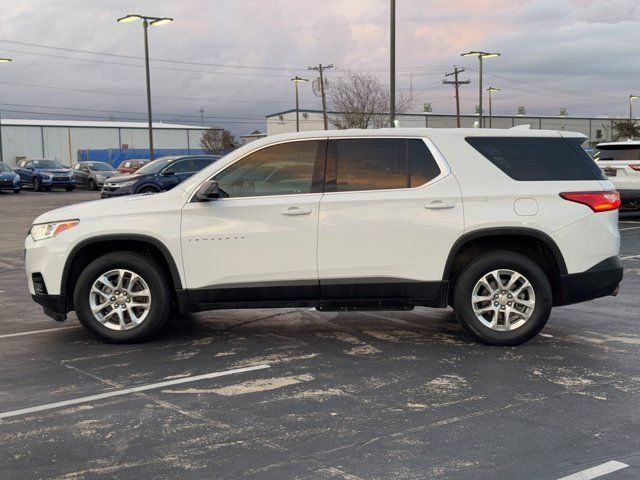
column 122, row 297
column 503, row 298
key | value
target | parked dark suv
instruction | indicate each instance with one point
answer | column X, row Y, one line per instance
column 44, row 174
column 157, row 176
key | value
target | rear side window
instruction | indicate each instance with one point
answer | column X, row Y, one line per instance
column 380, row 164
column 618, row 152
column 538, row 159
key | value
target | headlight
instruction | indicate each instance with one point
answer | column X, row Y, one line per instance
column 16, row 178
column 46, row 176
column 123, row 184
column 43, row 231
column 101, row 178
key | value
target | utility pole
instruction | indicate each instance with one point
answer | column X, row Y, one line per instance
column 456, row 83
column 297, row 79
column 392, row 65
column 202, row 116
column 320, row 69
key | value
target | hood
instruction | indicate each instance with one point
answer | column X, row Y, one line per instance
column 118, row 206
column 126, row 178
column 8, row 174
column 106, row 173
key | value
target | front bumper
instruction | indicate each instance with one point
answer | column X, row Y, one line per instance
column 115, row 192
column 599, row 281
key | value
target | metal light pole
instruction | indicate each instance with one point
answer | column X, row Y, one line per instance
column 392, row 65
column 146, row 21
column 481, row 56
column 491, row 90
column 297, row 79
column 631, row 99
column 2, row 60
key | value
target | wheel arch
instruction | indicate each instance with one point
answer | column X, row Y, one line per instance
column 87, row 250
column 533, row 243
column 155, row 186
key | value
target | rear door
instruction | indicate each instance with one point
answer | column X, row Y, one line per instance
column 388, row 219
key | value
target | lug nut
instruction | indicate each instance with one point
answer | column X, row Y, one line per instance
column 495, row 296
column 113, row 299
column 510, row 296
column 128, row 299
column 502, row 308
column 510, row 303
column 495, row 304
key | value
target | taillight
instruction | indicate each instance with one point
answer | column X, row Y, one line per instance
column 635, row 167
column 596, row 201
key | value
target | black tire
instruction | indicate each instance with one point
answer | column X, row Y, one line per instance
column 37, row 184
column 471, row 274
column 148, row 190
column 152, row 274
column 69, row 189
column 92, row 185
column 17, row 190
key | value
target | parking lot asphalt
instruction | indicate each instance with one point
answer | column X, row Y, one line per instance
column 296, row 393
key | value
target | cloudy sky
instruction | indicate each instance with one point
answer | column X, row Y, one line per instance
column 235, row 58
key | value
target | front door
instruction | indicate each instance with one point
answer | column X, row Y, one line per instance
column 388, row 219
column 258, row 242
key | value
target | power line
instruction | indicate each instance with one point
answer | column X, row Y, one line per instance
column 456, row 84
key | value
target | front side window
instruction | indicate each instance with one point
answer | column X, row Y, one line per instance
column 47, row 164
column 379, row 164
column 181, row 166
column 285, row 169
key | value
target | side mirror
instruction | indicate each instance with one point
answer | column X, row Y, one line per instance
column 209, row 190
column 168, row 173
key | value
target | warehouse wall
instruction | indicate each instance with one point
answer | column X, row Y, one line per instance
column 63, row 143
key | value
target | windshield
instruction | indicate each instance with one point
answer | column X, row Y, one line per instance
column 618, row 152
column 100, row 167
column 5, row 168
column 155, row 166
column 47, row 164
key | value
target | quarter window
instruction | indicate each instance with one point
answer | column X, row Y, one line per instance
column 285, row 169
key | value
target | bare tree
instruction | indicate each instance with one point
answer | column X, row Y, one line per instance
column 623, row 129
column 363, row 102
column 217, row 140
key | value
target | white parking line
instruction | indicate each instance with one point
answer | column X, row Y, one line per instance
column 597, row 471
column 33, row 332
column 127, row 391
column 628, row 257
column 628, row 228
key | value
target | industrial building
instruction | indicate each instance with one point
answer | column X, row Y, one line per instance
column 63, row 139
column 597, row 129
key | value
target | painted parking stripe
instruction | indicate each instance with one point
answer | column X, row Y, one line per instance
column 628, row 228
column 597, row 471
column 628, row 257
column 127, row 391
column 34, row 332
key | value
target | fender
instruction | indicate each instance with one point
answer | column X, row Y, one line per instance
column 501, row 231
column 175, row 275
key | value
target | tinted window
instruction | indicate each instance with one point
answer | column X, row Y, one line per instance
column 371, row 164
column 380, row 163
column 283, row 169
column 200, row 163
column 618, row 152
column 422, row 166
column 538, row 159
column 4, row 168
column 47, row 164
column 182, row 166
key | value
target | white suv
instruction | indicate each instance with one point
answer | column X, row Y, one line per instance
column 499, row 224
column 620, row 162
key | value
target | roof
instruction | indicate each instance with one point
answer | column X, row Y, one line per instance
column 629, row 143
column 95, row 124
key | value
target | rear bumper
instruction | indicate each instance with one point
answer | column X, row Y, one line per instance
column 599, row 281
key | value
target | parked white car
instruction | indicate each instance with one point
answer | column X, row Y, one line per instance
column 491, row 222
column 620, row 162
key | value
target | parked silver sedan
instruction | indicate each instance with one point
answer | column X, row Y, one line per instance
column 92, row 174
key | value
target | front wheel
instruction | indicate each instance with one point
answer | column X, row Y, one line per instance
column 148, row 190
column 69, row 189
column 16, row 190
column 92, row 185
column 37, row 184
column 503, row 298
column 122, row 297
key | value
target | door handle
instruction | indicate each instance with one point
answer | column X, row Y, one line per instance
column 439, row 205
column 296, row 211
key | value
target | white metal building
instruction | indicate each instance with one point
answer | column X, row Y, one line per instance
column 61, row 139
column 597, row 129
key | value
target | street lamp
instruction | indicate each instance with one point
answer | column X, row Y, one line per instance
column 491, row 90
column 631, row 99
column 2, row 60
column 295, row 81
column 392, row 64
column 146, row 21
column 481, row 56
